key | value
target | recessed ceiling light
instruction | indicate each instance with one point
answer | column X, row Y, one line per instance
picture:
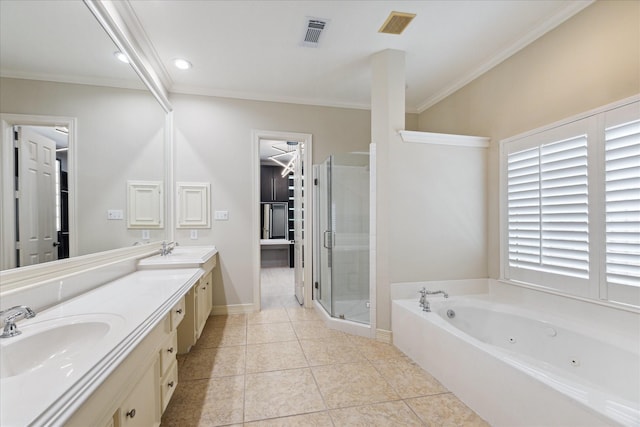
column 182, row 64
column 121, row 57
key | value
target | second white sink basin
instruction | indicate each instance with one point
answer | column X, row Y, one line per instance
column 58, row 344
column 180, row 257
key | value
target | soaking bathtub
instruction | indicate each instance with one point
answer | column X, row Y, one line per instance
column 517, row 367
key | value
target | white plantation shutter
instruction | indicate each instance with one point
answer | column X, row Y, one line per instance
column 523, row 189
column 547, row 208
column 622, row 204
column 564, row 205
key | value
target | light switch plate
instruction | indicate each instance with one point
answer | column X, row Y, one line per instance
column 115, row 214
column 221, row 215
column 146, row 235
column 194, row 235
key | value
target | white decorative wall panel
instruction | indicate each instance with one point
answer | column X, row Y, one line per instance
column 193, row 205
column 145, row 204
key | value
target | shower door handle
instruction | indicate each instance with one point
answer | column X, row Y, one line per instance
column 330, row 239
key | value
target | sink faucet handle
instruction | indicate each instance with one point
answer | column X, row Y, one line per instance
column 15, row 312
column 10, row 316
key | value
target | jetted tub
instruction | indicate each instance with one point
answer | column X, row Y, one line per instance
column 517, row 367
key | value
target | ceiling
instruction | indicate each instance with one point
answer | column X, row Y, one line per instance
column 251, row 49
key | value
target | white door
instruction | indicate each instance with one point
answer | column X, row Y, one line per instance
column 298, row 222
column 36, row 199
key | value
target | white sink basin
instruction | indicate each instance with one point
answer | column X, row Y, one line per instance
column 181, row 256
column 56, row 344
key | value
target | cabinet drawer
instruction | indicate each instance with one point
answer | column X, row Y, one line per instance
column 177, row 314
column 168, row 352
column 168, row 384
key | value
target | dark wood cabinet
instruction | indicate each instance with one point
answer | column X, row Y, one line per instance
column 273, row 187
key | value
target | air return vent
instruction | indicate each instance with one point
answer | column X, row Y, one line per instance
column 396, row 22
column 313, row 31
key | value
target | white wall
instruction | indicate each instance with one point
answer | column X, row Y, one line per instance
column 213, row 144
column 591, row 60
column 120, row 137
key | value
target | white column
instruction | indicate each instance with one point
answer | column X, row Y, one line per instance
column 387, row 118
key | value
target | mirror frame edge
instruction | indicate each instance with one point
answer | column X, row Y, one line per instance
column 114, row 25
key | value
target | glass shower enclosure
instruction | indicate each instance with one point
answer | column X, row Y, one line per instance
column 342, row 239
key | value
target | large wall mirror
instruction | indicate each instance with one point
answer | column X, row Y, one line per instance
column 75, row 118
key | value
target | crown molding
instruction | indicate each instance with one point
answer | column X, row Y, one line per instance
column 81, row 80
column 444, row 139
column 571, row 9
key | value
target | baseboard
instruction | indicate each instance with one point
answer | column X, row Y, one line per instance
column 232, row 309
column 384, row 336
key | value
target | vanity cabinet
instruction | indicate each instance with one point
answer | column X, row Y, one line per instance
column 198, row 307
column 140, row 407
column 147, row 394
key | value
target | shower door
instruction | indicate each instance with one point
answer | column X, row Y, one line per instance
column 343, row 203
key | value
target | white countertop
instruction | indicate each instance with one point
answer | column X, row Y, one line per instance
column 135, row 304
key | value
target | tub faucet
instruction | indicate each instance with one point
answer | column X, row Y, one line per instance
column 444, row 294
column 10, row 316
column 423, row 300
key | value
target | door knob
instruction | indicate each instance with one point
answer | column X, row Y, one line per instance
column 56, row 244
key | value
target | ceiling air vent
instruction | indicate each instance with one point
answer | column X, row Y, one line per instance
column 396, row 22
column 313, row 31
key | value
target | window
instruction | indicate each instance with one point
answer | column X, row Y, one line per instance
column 572, row 206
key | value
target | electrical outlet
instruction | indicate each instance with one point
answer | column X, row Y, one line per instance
column 194, row 235
column 146, row 235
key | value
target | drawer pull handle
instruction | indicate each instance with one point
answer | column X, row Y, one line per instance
column 179, row 311
column 170, row 384
column 170, row 350
column 131, row 413
column 204, row 288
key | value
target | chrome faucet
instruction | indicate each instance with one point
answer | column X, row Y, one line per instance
column 167, row 248
column 444, row 294
column 424, row 302
column 10, row 316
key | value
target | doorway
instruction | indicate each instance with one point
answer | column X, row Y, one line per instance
column 37, row 189
column 282, row 277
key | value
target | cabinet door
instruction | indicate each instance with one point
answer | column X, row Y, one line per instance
column 266, row 184
column 281, row 186
column 142, row 406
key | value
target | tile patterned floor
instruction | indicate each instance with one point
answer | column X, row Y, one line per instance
column 283, row 367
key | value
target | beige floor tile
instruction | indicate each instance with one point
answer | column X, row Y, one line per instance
column 352, row 384
column 270, row 332
column 315, row 330
column 384, row 414
column 222, row 337
column 213, row 362
column 275, row 356
column 298, row 314
column 220, row 321
column 407, row 378
column 316, row 419
column 377, row 350
column 445, row 410
column 281, row 393
column 330, row 351
column 274, row 315
column 206, row 403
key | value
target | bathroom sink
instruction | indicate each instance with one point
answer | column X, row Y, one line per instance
column 60, row 344
column 181, row 257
